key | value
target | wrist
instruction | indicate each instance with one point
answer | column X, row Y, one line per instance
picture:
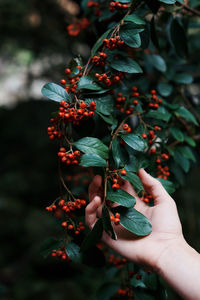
column 172, row 249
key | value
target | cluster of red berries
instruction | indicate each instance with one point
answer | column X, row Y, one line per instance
column 123, row 292
column 77, row 230
column 53, row 133
column 74, row 114
column 70, row 206
column 72, row 80
column 117, row 4
column 151, row 136
column 76, row 28
column 127, row 128
column 68, row 157
column 117, row 179
column 162, row 171
column 99, row 60
column 118, row 261
column 115, row 219
column 155, row 101
column 61, row 253
column 120, row 103
column 146, row 197
column 113, row 42
column 97, row 11
column 108, row 81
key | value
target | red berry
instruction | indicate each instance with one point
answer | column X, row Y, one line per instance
column 123, row 172
column 144, row 135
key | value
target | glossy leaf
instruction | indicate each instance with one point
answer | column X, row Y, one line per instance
column 119, row 153
column 98, row 43
column 92, row 160
column 104, row 104
column 87, row 82
column 126, row 64
column 134, row 141
column 49, row 245
column 186, row 114
column 165, row 89
column 130, row 36
column 90, row 145
column 107, row 226
column 134, row 19
column 133, row 221
column 55, row 92
column 168, row 185
column 93, row 237
column 157, row 61
column 121, row 197
column 160, row 114
column 177, row 134
column 134, row 180
column 183, row 78
column 73, row 251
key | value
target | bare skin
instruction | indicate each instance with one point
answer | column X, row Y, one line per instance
column 165, row 249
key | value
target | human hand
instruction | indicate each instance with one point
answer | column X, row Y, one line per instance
column 166, row 226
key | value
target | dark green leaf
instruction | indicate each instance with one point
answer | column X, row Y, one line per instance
column 108, row 119
column 157, row 61
column 178, row 38
column 183, row 78
column 104, row 104
column 183, row 162
column 49, row 245
column 137, row 283
column 119, row 153
column 134, row 180
column 168, row 185
column 160, row 114
column 177, row 134
column 92, row 160
column 93, row 237
column 125, row 64
column 186, row 114
column 73, row 66
column 87, row 82
column 90, row 145
column 135, row 19
column 121, row 197
column 107, row 290
column 187, row 152
column 107, row 223
column 73, row 251
column 164, row 89
column 134, row 141
column 130, row 36
column 190, row 141
column 55, row 92
column 133, row 221
column 98, row 43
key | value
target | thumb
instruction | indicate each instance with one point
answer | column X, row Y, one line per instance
column 154, row 187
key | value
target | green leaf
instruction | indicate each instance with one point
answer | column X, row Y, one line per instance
column 108, row 119
column 164, row 89
column 134, row 180
column 182, row 161
column 73, row 66
column 168, row 1
column 121, row 197
column 125, row 64
column 137, row 283
column 160, row 114
column 150, row 280
column 92, row 160
column 183, row 78
column 186, row 114
column 157, row 61
column 93, row 237
column 168, row 185
column 134, row 141
column 49, row 245
column 55, row 92
column 187, row 152
column 177, row 134
column 73, row 251
column 190, row 141
column 98, row 43
column 133, row 221
column 90, row 145
column 134, row 19
column 107, row 226
column 178, row 38
column 87, row 82
column 119, row 154
column 130, row 36
column 104, row 104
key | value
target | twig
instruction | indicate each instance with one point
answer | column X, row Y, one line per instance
column 190, row 9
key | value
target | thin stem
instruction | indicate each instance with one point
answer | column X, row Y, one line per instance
column 67, row 189
column 190, row 9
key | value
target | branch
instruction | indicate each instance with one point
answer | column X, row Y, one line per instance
column 190, row 9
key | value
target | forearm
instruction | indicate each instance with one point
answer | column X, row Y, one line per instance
column 180, row 266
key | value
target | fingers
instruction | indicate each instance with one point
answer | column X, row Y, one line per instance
column 92, row 211
column 95, row 187
column 154, row 187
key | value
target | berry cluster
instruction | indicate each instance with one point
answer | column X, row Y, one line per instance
column 116, row 179
column 60, row 253
column 108, row 81
column 154, row 101
column 97, row 11
column 117, row 4
column 146, row 197
column 117, row 261
column 53, row 132
column 115, row 219
column 76, row 28
column 120, row 104
column 80, row 227
column 70, row 206
column 123, row 292
column 72, row 80
column 99, row 60
column 113, row 42
column 162, row 171
column 68, row 157
column 127, row 128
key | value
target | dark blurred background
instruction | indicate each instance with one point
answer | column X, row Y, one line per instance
column 35, row 49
